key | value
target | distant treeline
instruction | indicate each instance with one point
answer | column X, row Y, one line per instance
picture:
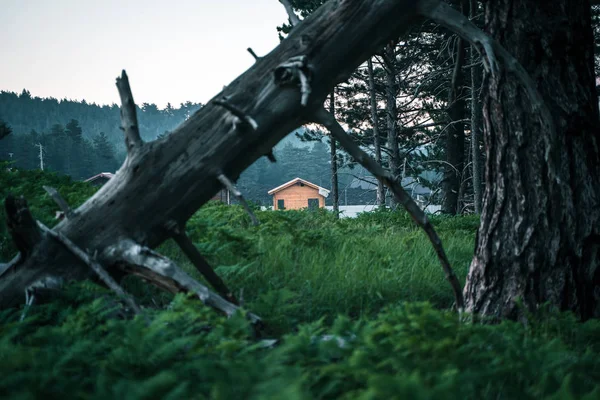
column 82, row 139
column 25, row 113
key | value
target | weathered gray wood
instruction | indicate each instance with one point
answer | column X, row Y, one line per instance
column 95, row 266
column 60, row 202
column 129, row 123
column 143, row 262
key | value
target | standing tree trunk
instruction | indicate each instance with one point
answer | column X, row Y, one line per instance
column 335, row 198
column 392, row 113
column 476, row 135
column 376, row 138
column 455, row 134
column 476, row 120
column 539, row 237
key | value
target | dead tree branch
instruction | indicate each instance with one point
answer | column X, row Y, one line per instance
column 192, row 253
column 62, row 204
column 129, row 122
column 151, row 266
column 227, row 184
column 328, row 121
column 95, row 266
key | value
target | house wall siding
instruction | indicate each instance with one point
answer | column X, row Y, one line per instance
column 296, row 197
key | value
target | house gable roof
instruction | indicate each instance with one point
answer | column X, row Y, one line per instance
column 322, row 191
column 106, row 175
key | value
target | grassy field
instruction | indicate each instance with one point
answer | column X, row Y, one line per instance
column 299, row 266
column 359, row 307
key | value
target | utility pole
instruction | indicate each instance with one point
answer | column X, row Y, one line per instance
column 41, row 156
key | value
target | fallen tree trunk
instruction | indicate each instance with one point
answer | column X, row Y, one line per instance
column 162, row 183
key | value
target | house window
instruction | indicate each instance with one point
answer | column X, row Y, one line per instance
column 280, row 204
column 313, row 204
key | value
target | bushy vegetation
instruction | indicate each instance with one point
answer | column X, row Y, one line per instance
column 359, row 307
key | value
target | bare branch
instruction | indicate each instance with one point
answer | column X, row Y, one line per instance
column 95, row 266
column 231, row 187
column 190, row 250
column 143, row 262
column 247, row 121
column 62, row 204
column 328, row 121
column 294, row 20
column 129, row 123
column 489, row 49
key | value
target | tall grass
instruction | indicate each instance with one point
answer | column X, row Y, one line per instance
column 300, row 266
column 344, row 298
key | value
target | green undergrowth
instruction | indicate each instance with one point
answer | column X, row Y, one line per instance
column 298, row 266
column 359, row 307
column 75, row 347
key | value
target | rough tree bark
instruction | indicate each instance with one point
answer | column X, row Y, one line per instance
column 455, row 134
column 376, row 138
column 162, row 183
column 539, row 237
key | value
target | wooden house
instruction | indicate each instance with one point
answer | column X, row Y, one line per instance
column 297, row 194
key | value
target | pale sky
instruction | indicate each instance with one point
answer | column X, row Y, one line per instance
column 173, row 51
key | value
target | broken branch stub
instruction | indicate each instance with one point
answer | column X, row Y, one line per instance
column 256, row 58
